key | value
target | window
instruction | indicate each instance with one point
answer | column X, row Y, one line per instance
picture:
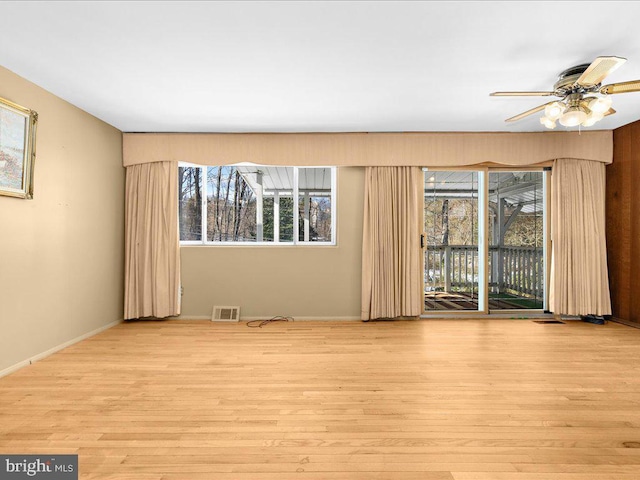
column 242, row 204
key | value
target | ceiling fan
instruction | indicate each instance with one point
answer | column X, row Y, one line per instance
column 584, row 100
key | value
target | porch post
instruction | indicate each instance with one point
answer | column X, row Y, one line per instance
column 306, row 216
column 276, row 216
column 447, row 269
column 500, row 242
column 259, row 214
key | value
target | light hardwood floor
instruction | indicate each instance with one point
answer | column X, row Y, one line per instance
column 428, row 400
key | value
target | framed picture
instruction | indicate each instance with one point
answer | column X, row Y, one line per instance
column 17, row 149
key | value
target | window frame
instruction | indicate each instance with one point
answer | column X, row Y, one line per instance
column 296, row 208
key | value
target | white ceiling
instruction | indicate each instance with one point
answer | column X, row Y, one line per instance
column 332, row 66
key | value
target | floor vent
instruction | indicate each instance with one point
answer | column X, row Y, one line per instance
column 548, row 321
column 225, row 314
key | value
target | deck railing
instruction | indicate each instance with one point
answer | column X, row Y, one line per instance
column 517, row 270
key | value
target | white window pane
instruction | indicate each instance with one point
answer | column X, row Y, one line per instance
column 231, row 206
column 190, row 203
column 256, row 204
column 314, row 204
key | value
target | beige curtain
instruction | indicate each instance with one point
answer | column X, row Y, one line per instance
column 152, row 257
column 390, row 248
column 579, row 276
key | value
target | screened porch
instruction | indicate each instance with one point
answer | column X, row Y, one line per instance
column 515, row 225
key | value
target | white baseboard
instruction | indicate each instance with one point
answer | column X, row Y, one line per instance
column 266, row 317
column 40, row 356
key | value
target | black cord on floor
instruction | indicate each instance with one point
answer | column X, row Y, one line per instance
column 260, row 323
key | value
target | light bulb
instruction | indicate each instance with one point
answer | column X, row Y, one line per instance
column 547, row 122
column 554, row 110
column 592, row 118
column 600, row 105
column 573, row 117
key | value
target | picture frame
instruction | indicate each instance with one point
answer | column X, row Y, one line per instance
column 17, row 149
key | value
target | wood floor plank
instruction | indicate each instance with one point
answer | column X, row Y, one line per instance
column 543, row 476
column 429, row 400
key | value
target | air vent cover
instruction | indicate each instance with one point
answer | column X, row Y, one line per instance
column 225, row 314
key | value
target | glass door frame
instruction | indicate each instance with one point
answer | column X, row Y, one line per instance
column 483, row 242
column 482, row 219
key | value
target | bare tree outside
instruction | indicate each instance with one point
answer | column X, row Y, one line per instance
column 232, row 203
column 319, row 219
column 190, row 203
column 451, row 221
column 231, row 206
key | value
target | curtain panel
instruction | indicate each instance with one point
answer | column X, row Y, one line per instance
column 152, row 256
column 579, row 275
column 391, row 284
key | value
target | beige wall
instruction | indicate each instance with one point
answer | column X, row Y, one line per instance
column 61, row 254
column 301, row 281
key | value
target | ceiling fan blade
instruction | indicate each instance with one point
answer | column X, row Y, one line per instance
column 622, row 87
column 598, row 70
column 527, row 113
column 611, row 111
column 521, row 94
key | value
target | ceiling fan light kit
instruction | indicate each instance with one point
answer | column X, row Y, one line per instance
column 592, row 119
column 600, row 105
column 576, row 111
column 547, row 122
column 554, row 110
column 574, row 84
column 573, row 116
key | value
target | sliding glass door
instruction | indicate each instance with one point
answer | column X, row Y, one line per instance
column 484, row 241
column 452, row 228
column 516, row 240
